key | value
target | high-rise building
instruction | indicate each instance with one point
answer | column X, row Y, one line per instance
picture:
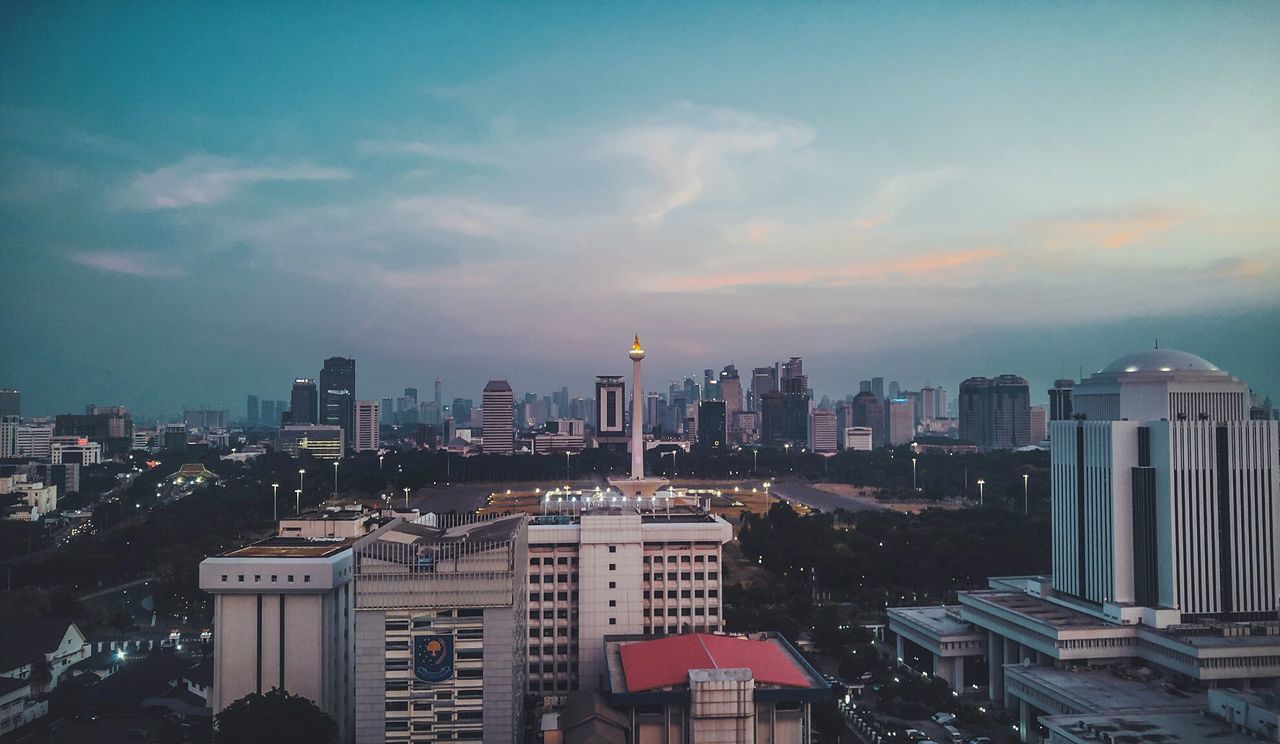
column 110, row 425
column 304, row 401
column 868, row 411
column 894, row 390
column 440, row 631
column 606, row 569
column 611, row 412
column 822, row 431
column 438, row 392
column 772, row 423
column 251, row 410
column 9, row 435
column 712, row 426
column 205, row 419
column 1039, row 424
column 899, row 418
column 864, row 386
column 323, row 441
column 386, row 411
column 929, row 404
column 268, row 415
column 1163, row 493
column 877, row 387
column 1060, row 400
column 731, row 391
column 10, row 402
column 858, row 438
column 498, row 418
column 995, row 413
column 763, row 380
column 338, row 395
column 366, row 426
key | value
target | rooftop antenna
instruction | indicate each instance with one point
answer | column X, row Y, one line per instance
column 1157, row 343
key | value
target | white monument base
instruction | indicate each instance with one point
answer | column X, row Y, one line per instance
column 644, row 487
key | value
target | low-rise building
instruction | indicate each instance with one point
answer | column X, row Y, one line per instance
column 323, row 441
column 79, row 450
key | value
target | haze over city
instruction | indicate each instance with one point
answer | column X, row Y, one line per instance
column 200, row 202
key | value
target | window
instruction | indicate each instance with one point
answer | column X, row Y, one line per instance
column 394, row 665
column 397, row 685
column 533, row 614
column 224, row 577
column 306, row 579
column 397, row 645
column 699, row 575
column 290, row 578
column 613, row 621
column 397, row 705
column 613, row 567
column 470, row 673
column 257, row 577
column 685, row 594
column 534, row 561
column 613, row 585
column 274, row 578
column 613, row 548
column 562, row 561
column 534, row 578
column 533, row 632
column 685, row 558
column 397, row 725
column 713, row 593
column 613, row 603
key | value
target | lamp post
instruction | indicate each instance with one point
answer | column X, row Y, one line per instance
column 981, row 500
column 297, row 501
column 380, row 462
column 566, row 464
column 406, row 498
column 301, row 472
column 335, row 480
column 1026, row 502
column 913, row 475
column 755, row 451
column 275, row 512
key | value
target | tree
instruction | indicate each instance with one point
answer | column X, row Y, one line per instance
column 272, row 718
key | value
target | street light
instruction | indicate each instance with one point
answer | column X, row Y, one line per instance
column 981, row 483
column 297, row 501
column 335, row 480
column 754, row 452
column 301, row 472
column 1026, row 503
column 913, row 475
column 380, row 462
column 275, row 513
column 406, row 498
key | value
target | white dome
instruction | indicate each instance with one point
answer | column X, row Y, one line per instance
column 1160, row 360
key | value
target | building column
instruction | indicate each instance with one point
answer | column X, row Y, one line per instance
column 957, row 674
column 902, row 656
column 1012, row 655
column 1024, row 719
column 942, row 669
column 995, row 662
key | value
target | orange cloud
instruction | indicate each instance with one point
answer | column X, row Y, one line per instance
column 1109, row 230
column 835, row 276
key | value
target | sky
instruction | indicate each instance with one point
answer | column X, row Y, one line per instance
column 202, row 201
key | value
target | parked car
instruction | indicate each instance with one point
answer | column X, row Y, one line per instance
column 979, row 740
column 943, row 718
column 953, row 733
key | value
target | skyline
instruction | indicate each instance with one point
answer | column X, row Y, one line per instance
column 923, row 193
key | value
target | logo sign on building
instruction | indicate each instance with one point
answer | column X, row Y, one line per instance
column 433, row 657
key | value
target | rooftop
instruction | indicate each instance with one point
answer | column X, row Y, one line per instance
column 666, row 662
column 1166, row 728
column 328, row 515
column 1040, row 610
column 939, row 621
column 293, row 547
column 1104, row 690
column 1160, row 360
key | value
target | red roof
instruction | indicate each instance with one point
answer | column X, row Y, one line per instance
column 665, row 662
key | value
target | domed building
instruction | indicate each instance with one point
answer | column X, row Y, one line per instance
column 1161, row 384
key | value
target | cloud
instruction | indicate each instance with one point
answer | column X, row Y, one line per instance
column 206, row 179
column 460, row 152
column 685, row 156
column 1109, row 229
column 133, row 263
column 467, row 217
column 845, row 274
column 1240, row 268
column 895, row 192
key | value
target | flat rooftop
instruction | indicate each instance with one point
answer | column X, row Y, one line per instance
column 1039, row 610
column 292, row 547
column 1104, row 691
column 345, row 515
column 938, row 621
column 1165, row 728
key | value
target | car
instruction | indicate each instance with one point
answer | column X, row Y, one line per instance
column 979, row 740
column 953, row 733
column 915, row 735
column 943, row 718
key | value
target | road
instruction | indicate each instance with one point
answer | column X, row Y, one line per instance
column 817, row 498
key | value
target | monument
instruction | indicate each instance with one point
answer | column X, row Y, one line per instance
column 637, row 484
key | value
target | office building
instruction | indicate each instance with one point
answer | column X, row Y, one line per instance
column 822, row 431
column 899, row 421
column 9, row 436
column 1039, row 426
column 763, row 380
column 366, row 426
column 894, row 390
column 498, row 418
column 34, row 440
column 172, row 437
column 864, row 386
column 324, row 441
column 995, row 413
column 772, row 431
column 338, row 395
column 868, row 412
column 440, row 637
column 438, row 399
column 112, row 426
column 929, row 404
column 731, row 391
column 1164, row 556
column 712, row 427
column 744, row 427
column 251, row 411
column 304, row 402
column 608, row 565
column 1060, row 408
column 10, row 402
column 79, row 450
column 204, row 419
column 858, row 438
column 268, row 414
column 611, row 412
column 283, row 616
column 877, row 387
column 713, row 688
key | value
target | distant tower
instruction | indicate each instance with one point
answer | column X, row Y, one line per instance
column 338, row 395
column 303, row 401
column 498, row 418
column 637, row 412
column 439, row 395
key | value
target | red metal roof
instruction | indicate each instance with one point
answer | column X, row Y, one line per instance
column 665, row 662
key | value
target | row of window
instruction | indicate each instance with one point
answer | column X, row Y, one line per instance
column 686, row 558
column 257, row 578
column 549, row 596
column 561, row 613
column 684, row 593
column 425, row 705
column 562, row 631
column 684, row 576
column 657, row 611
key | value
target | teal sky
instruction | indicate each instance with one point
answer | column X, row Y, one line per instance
column 203, row 201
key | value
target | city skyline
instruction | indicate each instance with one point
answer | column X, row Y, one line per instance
column 888, row 196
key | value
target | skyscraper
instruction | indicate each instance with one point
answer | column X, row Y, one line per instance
column 611, row 412
column 303, row 402
column 366, row 426
column 712, row 426
column 10, row 402
column 795, row 401
column 995, row 413
column 1060, row 400
column 868, row 411
column 763, row 380
column 498, row 403
column 338, row 394
column 251, row 410
column 731, row 391
column 439, row 401
column 894, row 390
column 899, row 417
column 386, row 412
column 822, row 431
column 877, row 387
column 772, row 430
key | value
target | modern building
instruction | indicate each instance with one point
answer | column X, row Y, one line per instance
column 366, row 426
column 498, row 418
column 304, row 402
column 700, row 687
column 9, row 435
column 713, row 431
column 172, row 437
column 283, row 617
column 251, row 411
column 731, row 391
column 205, row 419
column 822, row 431
column 611, row 413
column 900, row 421
column 1164, row 554
column 10, row 402
column 323, row 441
column 996, row 413
column 605, row 565
column 772, row 429
column 440, row 633
column 763, row 380
column 112, row 426
column 744, row 427
column 34, row 440
column 858, row 438
column 338, row 395
column 1039, row 426
column 868, row 412
column 78, row 450
column 1060, row 408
